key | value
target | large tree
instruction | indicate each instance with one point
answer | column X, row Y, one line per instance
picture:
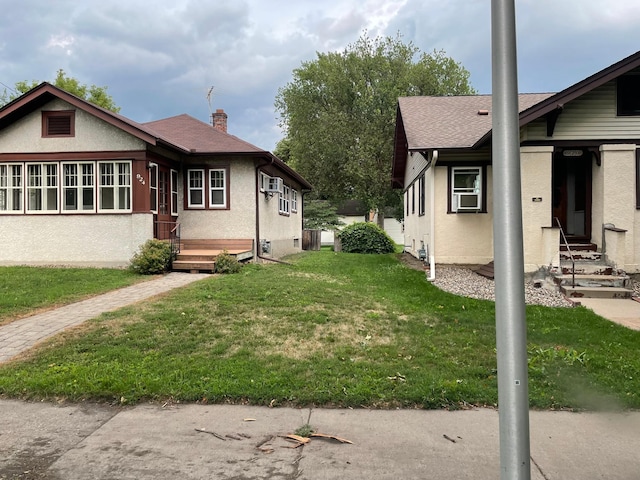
column 338, row 113
column 92, row 93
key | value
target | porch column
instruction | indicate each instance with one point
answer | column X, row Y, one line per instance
column 615, row 194
column 536, row 168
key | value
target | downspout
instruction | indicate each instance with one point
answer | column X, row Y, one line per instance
column 432, row 232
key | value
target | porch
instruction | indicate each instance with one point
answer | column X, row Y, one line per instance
column 199, row 255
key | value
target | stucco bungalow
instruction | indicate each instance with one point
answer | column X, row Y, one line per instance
column 579, row 168
column 80, row 185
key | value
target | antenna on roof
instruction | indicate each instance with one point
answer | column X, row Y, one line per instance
column 209, row 95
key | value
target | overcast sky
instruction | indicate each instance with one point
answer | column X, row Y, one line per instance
column 160, row 58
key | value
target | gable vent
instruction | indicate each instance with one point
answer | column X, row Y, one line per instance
column 58, row 124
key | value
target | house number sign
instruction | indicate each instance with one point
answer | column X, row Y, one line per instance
column 140, row 179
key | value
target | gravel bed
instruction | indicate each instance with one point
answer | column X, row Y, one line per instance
column 465, row 282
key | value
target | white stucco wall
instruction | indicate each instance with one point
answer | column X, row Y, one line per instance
column 284, row 232
column 91, row 134
column 462, row 238
column 238, row 221
column 73, row 240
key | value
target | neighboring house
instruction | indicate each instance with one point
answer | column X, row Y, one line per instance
column 579, row 164
column 353, row 211
column 80, row 185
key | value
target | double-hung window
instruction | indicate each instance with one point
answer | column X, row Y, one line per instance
column 283, row 197
column 174, row 192
column 196, row 189
column 11, row 188
column 42, row 187
column 294, row 200
column 114, row 186
column 78, row 187
column 217, row 188
column 466, row 191
column 153, row 187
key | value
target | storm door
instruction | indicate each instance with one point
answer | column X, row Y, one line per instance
column 572, row 193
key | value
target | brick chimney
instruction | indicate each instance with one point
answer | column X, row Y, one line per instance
column 219, row 120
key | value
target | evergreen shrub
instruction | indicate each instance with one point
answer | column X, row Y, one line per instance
column 365, row 237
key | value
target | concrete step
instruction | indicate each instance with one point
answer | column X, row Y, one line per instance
column 596, row 292
column 587, row 255
column 574, row 247
column 622, row 281
column 583, row 267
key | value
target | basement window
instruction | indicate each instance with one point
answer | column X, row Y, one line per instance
column 59, row 123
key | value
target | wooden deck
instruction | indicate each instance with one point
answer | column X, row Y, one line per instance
column 199, row 255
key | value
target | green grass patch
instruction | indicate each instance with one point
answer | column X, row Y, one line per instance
column 330, row 329
column 24, row 290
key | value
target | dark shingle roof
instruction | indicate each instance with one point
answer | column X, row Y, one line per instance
column 195, row 136
column 451, row 122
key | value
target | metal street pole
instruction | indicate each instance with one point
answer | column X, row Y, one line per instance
column 511, row 333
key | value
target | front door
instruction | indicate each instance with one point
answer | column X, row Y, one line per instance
column 572, row 193
column 161, row 198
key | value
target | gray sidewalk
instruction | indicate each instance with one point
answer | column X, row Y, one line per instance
column 98, row 442
column 26, row 332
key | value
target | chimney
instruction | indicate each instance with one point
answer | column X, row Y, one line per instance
column 219, row 120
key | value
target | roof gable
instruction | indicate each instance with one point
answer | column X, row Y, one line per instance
column 424, row 123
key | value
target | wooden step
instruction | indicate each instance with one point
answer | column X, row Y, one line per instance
column 579, row 247
column 193, row 266
column 586, row 255
column 486, row 271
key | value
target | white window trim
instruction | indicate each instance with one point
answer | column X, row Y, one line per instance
column 79, row 187
column 117, row 184
column 7, row 184
column 153, row 186
column 42, row 187
column 190, row 189
column 294, row 201
column 222, row 189
column 476, row 191
column 264, row 181
column 174, row 190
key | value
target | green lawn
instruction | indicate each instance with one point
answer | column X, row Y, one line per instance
column 24, row 290
column 330, row 329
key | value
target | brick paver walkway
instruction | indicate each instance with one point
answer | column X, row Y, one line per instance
column 22, row 334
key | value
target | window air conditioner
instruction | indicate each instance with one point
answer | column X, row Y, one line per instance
column 274, row 185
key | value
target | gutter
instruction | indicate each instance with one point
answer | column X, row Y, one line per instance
column 432, row 232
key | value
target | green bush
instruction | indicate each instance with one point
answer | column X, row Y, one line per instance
column 152, row 258
column 226, row 263
column 365, row 237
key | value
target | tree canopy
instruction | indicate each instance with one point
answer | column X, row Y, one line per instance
column 338, row 113
column 91, row 93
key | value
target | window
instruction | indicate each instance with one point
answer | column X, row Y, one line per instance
column 466, row 189
column 163, row 192
column 196, row 189
column 153, row 187
column 42, row 187
column 627, row 94
column 294, row 200
column 413, row 198
column 217, row 188
column 421, row 195
column 58, row 123
column 406, row 196
column 174, row 192
column 78, row 192
column 11, row 188
column 264, row 181
column 114, row 186
column 283, row 200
